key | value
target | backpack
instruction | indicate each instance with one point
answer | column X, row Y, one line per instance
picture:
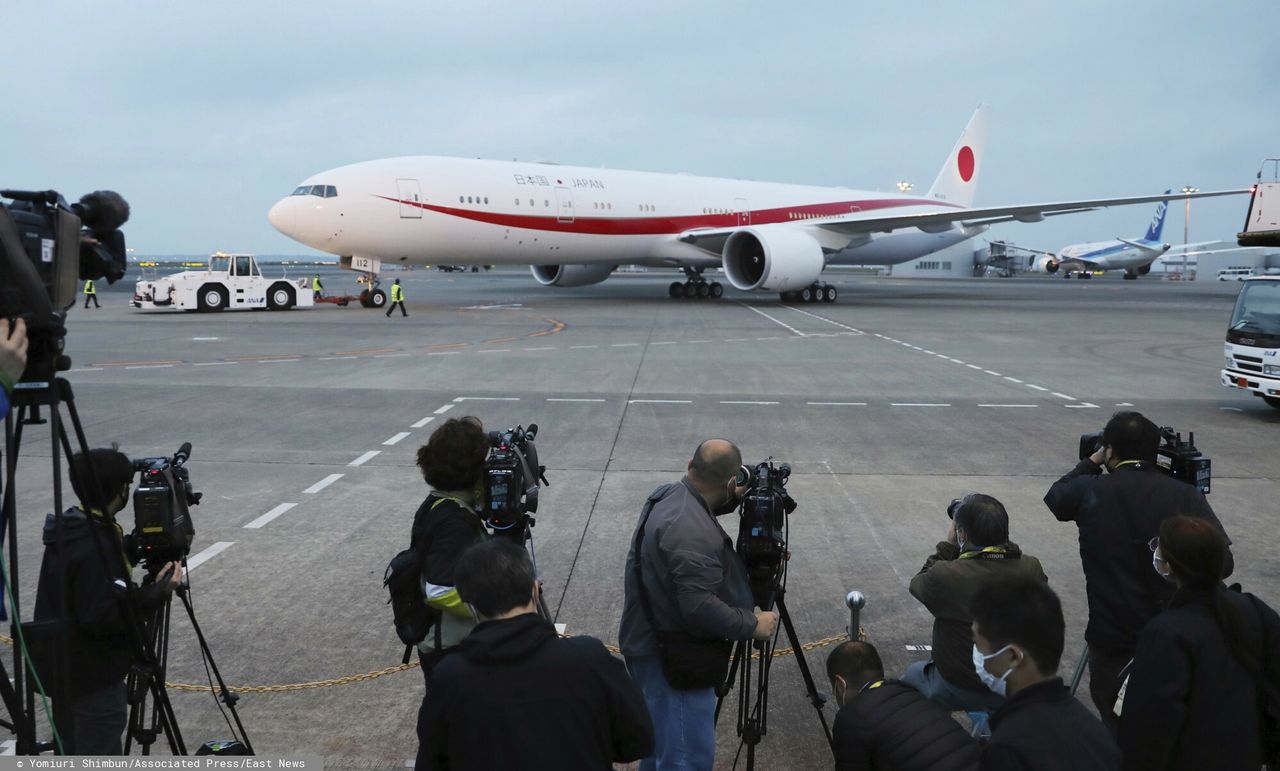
column 413, row 617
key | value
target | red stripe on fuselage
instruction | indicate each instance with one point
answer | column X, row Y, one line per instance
column 655, row 226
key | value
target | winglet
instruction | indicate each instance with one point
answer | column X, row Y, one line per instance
column 957, row 182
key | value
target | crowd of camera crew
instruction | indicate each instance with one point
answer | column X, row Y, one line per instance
column 1183, row 669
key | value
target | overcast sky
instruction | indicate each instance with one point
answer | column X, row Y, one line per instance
column 203, row 115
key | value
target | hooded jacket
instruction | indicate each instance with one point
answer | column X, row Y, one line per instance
column 1044, row 727
column 513, row 695
column 100, row 642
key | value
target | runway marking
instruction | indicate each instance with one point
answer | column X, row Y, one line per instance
column 204, row 339
column 1064, row 396
column 391, row 355
column 957, row 361
column 1038, row 388
column 336, row 358
column 1008, row 405
column 1226, row 409
column 623, row 345
column 824, row 318
column 918, row 404
column 782, row 324
column 543, row 348
column 973, row 366
column 1124, row 404
column 208, row 554
column 483, row 399
column 270, row 515
column 495, row 350
column 1082, row 406
column 268, row 357
column 659, row 401
column 445, row 409
column 554, row 399
column 736, row 340
column 216, row 363
column 322, row 484
column 443, row 353
column 365, row 351
column 666, row 342
column 149, row 366
column 86, row 369
column 836, row 404
column 1013, row 379
column 737, row 402
column 584, row 346
column 127, row 363
column 276, row 361
column 396, row 439
column 423, row 422
column 931, row 353
column 919, row 648
column 368, row 456
column 696, row 342
column 993, row 374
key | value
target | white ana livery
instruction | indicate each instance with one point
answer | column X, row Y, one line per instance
column 575, row 225
column 230, row 282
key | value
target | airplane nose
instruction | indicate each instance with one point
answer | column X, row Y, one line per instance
column 282, row 216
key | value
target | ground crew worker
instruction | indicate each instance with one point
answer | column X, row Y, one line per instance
column 397, row 298
column 317, row 289
column 90, row 293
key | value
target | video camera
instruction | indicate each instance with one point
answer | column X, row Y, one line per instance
column 163, row 529
column 762, row 529
column 1180, row 460
column 512, row 477
column 46, row 245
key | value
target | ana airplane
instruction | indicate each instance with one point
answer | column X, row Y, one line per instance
column 575, row 225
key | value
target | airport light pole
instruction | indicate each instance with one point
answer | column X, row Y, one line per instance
column 1186, row 225
column 905, row 187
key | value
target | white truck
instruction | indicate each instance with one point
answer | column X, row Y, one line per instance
column 1252, row 349
column 230, row 282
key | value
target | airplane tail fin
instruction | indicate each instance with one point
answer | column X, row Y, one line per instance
column 1157, row 222
column 957, row 182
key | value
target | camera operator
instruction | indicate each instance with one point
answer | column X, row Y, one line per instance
column 695, row 588
column 91, row 578
column 1118, row 514
column 887, row 725
column 976, row 552
column 13, row 358
column 447, row 522
column 561, row 703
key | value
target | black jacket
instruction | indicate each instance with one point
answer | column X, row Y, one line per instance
column 1190, row 704
column 946, row 585
column 101, row 646
column 1043, row 727
column 889, row 726
column 442, row 530
column 1118, row 513
column 516, row 696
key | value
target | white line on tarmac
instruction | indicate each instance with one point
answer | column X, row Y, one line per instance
column 443, row 353
column 423, row 422
column 149, row 366
column 485, row 399
column 695, row 342
column 390, row 355
column 1229, row 409
column 733, row 402
column 836, row 404
column 782, row 324
column 84, row 369
column 584, row 346
column 323, row 483
column 973, row 366
column 918, row 404
column 270, row 515
column 208, row 554
column 666, row 342
column 1008, row 405
column 204, row 338
column 623, row 345
column 363, row 459
column 824, row 318
column 1038, row 388
column 989, row 372
column 1082, row 406
column 336, row 358
column 277, row 361
column 659, row 401
column 445, row 409
column 395, row 439
column 495, row 350
column 553, row 399
column 543, row 348
column 1124, row 404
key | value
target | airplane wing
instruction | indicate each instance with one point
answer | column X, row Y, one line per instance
column 1245, row 249
column 1197, row 244
column 1141, row 245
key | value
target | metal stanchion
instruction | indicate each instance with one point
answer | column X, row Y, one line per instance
column 855, row 600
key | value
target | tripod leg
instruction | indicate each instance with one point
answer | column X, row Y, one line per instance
column 816, row 698
column 723, row 690
column 228, row 698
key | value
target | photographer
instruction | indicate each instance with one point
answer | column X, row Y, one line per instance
column 561, row 703
column 447, row 522
column 93, row 579
column 976, row 552
column 695, row 588
column 1118, row 514
column 13, row 358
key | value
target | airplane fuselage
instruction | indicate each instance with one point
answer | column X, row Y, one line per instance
column 1113, row 255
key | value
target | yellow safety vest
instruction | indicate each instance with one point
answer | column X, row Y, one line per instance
column 315, row 284
column 397, row 294
column 89, row 288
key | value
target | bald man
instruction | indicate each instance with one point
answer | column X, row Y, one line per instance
column 684, row 577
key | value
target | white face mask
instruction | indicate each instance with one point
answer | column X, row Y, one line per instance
column 1156, row 562
column 996, row 684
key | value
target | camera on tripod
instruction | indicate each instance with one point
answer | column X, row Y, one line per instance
column 512, row 477
column 47, row 244
column 162, row 520
column 1175, row 457
column 762, row 528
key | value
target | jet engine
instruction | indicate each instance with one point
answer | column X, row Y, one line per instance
column 774, row 259
column 1047, row 265
column 571, row 275
column 1144, row 269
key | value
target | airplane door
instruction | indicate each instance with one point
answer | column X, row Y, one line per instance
column 409, row 191
column 744, row 214
column 564, row 204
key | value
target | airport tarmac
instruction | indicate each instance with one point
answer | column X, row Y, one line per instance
column 901, row 396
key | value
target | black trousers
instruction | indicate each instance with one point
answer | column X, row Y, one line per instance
column 96, row 722
column 1104, row 683
column 93, row 297
column 393, row 307
column 428, row 662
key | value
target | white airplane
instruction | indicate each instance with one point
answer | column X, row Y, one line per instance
column 573, row 226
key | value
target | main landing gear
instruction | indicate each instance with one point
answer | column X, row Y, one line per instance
column 694, row 286
column 816, row 293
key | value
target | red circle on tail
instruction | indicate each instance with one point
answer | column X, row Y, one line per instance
column 964, row 162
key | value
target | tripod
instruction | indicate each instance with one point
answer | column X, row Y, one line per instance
column 521, row 534
column 753, row 703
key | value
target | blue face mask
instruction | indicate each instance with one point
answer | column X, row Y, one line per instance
column 997, row 685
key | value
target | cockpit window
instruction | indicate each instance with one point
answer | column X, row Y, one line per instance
column 330, row 191
column 320, row 191
column 302, row 190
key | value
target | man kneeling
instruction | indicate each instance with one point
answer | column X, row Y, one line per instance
column 517, row 696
